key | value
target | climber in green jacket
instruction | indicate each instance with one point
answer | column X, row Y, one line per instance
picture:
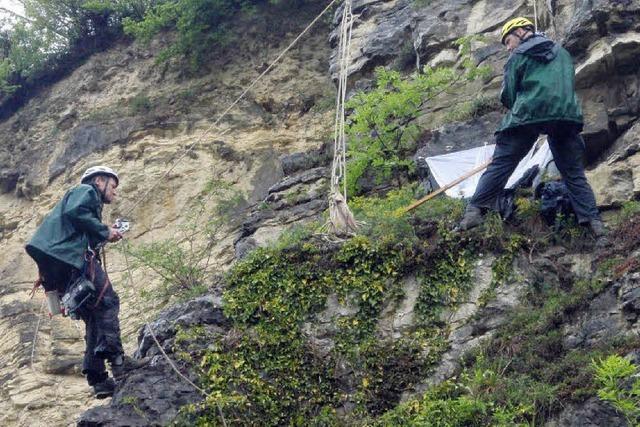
column 65, row 248
column 539, row 91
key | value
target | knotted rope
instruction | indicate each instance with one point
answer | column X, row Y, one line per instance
column 341, row 220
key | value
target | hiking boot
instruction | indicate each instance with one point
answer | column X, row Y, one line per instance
column 472, row 218
column 104, row 389
column 598, row 228
column 123, row 364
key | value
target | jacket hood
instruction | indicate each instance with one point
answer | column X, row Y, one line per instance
column 539, row 48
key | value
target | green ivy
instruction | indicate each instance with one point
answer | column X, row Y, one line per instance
column 267, row 370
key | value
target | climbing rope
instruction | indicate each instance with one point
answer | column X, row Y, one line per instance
column 35, row 335
column 535, row 14
column 341, row 220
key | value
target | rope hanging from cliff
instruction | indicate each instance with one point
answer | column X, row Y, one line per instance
column 535, row 14
column 341, row 220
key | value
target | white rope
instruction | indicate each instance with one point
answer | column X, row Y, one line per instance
column 341, row 219
column 219, row 119
column 535, row 14
column 338, row 170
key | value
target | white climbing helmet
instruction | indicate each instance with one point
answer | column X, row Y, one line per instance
column 99, row 170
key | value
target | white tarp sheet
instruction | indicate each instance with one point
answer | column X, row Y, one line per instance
column 448, row 167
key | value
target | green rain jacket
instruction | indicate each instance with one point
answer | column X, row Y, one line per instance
column 539, row 85
column 73, row 225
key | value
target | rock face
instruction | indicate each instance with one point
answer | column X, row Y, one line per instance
column 154, row 394
column 617, row 180
column 120, row 109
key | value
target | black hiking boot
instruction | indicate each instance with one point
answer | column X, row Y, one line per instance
column 598, row 228
column 104, row 389
column 472, row 218
column 123, row 364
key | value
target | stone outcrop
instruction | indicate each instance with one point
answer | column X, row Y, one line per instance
column 617, row 179
column 154, row 394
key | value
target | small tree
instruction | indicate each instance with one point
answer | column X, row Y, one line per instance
column 382, row 130
column 183, row 262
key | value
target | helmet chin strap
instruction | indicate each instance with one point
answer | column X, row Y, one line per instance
column 103, row 192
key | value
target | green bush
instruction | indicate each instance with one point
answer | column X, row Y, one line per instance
column 200, row 24
column 183, row 262
column 382, row 131
column 54, row 34
column 267, row 370
column 140, row 104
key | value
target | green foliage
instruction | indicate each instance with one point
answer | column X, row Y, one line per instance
column 383, row 217
column 525, row 374
column 200, row 24
column 382, row 130
column 183, row 262
column 629, row 209
column 53, row 33
column 6, row 69
column 619, row 385
column 266, row 369
column 447, row 277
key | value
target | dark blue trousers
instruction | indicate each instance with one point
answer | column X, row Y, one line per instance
column 102, row 335
column 567, row 147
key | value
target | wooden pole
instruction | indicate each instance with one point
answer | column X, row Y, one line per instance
column 448, row 186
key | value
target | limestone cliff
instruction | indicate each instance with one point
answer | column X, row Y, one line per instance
column 123, row 109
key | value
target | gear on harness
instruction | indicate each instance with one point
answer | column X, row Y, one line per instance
column 80, row 293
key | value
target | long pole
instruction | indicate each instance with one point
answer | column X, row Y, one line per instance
column 448, row 186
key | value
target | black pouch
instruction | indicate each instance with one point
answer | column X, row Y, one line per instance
column 80, row 293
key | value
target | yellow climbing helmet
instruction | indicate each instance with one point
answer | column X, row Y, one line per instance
column 511, row 25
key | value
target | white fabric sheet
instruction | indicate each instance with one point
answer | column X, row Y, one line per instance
column 448, row 167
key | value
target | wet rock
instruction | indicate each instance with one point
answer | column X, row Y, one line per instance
column 8, row 181
column 379, row 34
column 305, row 177
column 300, row 162
column 626, row 146
column 607, row 57
column 153, row 394
column 459, row 136
column 152, row 397
column 592, row 413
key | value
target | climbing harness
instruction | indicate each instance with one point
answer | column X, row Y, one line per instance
column 341, row 220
